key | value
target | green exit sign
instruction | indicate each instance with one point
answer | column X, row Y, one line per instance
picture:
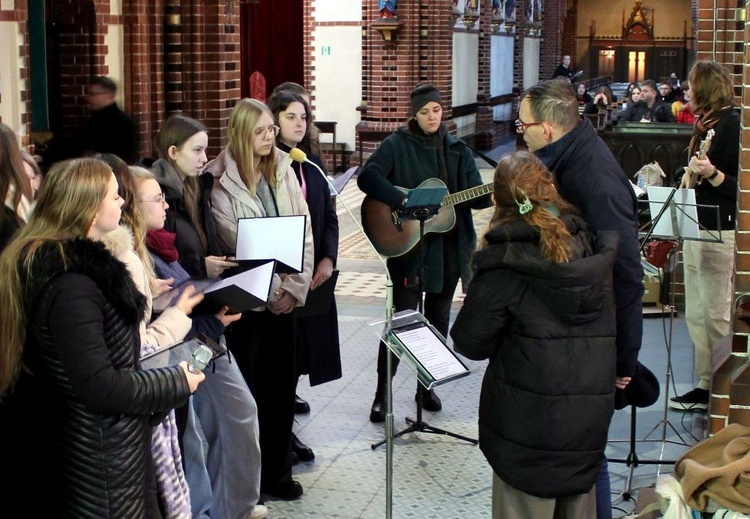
column 325, row 50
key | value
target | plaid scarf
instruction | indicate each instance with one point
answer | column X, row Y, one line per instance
column 703, row 123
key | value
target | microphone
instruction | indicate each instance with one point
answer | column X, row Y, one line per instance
column 297, row 155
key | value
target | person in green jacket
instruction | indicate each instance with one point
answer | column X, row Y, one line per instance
column 422, row 150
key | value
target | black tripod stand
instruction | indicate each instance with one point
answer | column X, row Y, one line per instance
column 419, row 425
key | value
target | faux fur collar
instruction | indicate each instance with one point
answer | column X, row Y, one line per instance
column 93, row 260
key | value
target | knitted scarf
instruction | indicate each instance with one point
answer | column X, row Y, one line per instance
column 703, row 123
column 161, row 243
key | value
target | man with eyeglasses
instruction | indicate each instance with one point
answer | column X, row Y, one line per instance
column 589, row 177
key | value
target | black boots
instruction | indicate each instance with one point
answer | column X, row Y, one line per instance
column 430, row 402
column 377, row 411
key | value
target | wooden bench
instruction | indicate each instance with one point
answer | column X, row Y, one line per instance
column 636, row 144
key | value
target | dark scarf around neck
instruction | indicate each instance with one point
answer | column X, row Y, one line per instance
column 703, row 123
column 435, row 140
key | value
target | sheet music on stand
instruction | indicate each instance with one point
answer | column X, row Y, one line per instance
column 680, row 218
column 414, row 340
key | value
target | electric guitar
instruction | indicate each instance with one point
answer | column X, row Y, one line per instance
column 393, row 237
column 694, row 180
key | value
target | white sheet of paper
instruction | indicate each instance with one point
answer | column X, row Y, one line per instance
column 255, row 281
column 279, row 237
column 430, row 351
column 685, row 209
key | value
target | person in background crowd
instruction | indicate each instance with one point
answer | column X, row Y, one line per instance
column 69, row 315
column 589, row 177
column 582, row 95
column 540, row 307
column 422, row 150
column 651, row 109
column 563, row 69
column 225, row 408
column 632, row 97
column 685, row 113
column 109, row 129
column 317, row 335
column 709, row 266
column 15, row 187
column 254, row 180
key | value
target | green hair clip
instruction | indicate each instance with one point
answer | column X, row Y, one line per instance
column 526, row 206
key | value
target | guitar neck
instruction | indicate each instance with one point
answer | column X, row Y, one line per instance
column 466, row 195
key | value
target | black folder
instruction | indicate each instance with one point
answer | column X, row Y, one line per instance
column 319, row 301
column 240, row 292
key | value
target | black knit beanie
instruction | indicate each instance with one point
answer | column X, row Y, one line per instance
column 422, row 95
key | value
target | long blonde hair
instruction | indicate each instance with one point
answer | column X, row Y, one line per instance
column 521, row 177
column 242, row 122
column 70, row 197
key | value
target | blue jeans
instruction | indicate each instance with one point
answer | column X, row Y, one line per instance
column 603, row 492
column 230, row 456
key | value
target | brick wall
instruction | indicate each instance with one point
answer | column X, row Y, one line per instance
column 420, row 51
column 552, row 43
column 18, row 14
column 182, row 57
column 569, row 44
column 720, row 35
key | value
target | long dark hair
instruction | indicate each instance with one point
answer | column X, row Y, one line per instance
column 12, row 172
column 279, row 102
column 175, row 132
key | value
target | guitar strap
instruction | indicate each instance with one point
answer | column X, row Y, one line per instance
column 481, row 155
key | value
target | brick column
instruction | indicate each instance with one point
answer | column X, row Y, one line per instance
column 420, row 51
column 484, row 121
column 19, row 14
column 724, row 35
column 553, row 25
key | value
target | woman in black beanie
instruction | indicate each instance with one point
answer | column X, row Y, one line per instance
column 421, row 150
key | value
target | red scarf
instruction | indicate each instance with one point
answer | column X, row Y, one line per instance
column 161, row 243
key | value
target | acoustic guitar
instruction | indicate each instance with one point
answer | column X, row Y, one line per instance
column 393, row 237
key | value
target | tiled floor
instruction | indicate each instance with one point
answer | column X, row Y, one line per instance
column 438, row 476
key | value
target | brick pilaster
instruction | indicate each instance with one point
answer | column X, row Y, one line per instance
column 720, row 36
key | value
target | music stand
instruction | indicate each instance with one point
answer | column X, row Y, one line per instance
column 684, row 226
column 429, row 200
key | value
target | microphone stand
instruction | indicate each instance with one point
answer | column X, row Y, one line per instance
column 301, row 157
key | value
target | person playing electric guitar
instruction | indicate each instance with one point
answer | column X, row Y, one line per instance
column 421, row 150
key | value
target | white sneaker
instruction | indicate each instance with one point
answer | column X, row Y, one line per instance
column 259, row 512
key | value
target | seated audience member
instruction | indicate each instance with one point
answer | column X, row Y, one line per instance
column 540, row 307
column 632, row 97
column 582, row 95
column 69, row 317
column 665, row 93
column 685, row 113
column 602, row 99
column 650, row 109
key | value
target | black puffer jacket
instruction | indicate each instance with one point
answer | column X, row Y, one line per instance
column 83, row 393
column 549, row 332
